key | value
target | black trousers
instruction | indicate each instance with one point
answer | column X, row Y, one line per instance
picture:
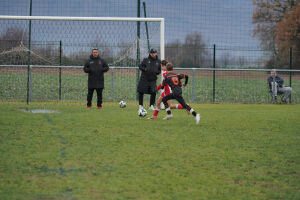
column 152, row 98
column 179, row 98
column 90, row 96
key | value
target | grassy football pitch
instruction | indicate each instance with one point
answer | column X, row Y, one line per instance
column 237, row 151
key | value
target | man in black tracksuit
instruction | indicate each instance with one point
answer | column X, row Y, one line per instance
column 95, row 67
column 150, row 68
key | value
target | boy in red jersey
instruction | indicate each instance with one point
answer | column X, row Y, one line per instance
column 173, row 80
column 164, row 93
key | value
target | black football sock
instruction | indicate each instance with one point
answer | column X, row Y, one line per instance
column 193, row 112
column 168, row 110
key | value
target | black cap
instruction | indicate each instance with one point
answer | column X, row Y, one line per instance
column 153, row 51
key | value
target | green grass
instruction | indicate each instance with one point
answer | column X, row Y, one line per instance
column 45, row 87
column 236, row 152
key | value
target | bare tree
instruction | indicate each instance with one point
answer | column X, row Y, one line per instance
column 241, row 61
column 173, row 52
column 11, row 51
column 191, row 53
column 225, row 60
column 288, row 35
column 12, row 37
column 194, row 50
column 266, row 16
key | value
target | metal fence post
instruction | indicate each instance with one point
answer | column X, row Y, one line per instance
column 60, row 52
column 291, row 66
column 29, row 57
column 112, row 85
column 214, row 74
column 193, row 87
column 138, row 34
column 146, row 24
column 30, row 83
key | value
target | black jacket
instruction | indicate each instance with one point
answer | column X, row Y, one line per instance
column 95, row 67
column 150, row 68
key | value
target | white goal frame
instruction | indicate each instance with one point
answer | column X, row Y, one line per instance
column 132, row 19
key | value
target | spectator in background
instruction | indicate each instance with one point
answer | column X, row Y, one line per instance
column 95, row 67
column 277, row 87
column 150, row 68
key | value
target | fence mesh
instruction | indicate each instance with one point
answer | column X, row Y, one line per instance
column 205, row 85
column 198, row 34
column 70, row 42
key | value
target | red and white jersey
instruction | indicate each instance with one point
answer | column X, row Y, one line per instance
column 167, row 89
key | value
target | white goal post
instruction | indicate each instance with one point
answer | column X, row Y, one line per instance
column 129, row 19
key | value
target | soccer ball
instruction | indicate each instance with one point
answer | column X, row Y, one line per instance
column 122, row 104
column 142, row 112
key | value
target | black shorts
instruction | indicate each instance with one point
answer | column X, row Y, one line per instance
column 146, row 87
column 178, row 97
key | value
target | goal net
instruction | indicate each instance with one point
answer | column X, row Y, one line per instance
column 41, row 58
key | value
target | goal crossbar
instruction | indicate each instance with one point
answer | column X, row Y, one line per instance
column 60, row 18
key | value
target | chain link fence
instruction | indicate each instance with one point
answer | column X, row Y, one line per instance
column 206, row 85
